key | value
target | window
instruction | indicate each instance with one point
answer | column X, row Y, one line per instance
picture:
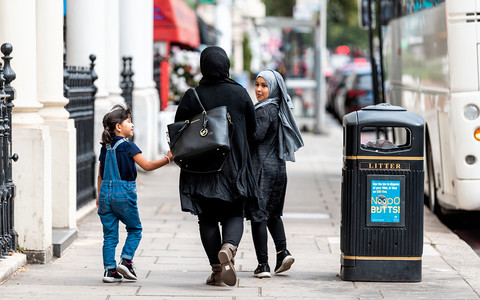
column 385, row 138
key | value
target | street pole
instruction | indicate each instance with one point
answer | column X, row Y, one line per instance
column 320, row 44
column 376, row 98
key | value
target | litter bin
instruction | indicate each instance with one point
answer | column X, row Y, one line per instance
column 382, row 195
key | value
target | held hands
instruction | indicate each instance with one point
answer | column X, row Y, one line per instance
column 169, row 156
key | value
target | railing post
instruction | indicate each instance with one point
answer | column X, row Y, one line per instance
column 127, row 83
column 157, row 61
column 3, row 209
column 66, row 75
column 94, row 75
column 9, row 76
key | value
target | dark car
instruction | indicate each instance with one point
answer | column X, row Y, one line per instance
column 360, row 92
column 337, row 83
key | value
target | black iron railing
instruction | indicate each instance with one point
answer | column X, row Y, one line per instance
column 80, row 90
column 8, row 236
column 157, row 62
column 127, row 82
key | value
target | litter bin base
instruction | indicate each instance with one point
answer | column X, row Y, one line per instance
column 382, row 270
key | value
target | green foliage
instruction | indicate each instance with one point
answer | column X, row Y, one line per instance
column 339, row 34
column 342, row 25
column 278, row 8
column 342, row 21
column 247, row 53
column 342, row 12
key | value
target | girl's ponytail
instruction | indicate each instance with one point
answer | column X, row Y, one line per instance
column 106, row 137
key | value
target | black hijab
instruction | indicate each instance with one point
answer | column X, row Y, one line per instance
column 215, row 66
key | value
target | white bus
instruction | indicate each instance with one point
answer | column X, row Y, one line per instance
column 432, row 61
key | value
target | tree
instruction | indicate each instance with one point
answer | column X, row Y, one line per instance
column 278, row 8
column 342, row 21
column 342, row 25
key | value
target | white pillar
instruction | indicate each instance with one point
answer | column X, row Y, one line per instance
column 30, row 137
column 136, row 40
column 113, row 59
column 92, row 28
column 62, row 129
column 237, row 40
column 86, row 34
column 223, row 23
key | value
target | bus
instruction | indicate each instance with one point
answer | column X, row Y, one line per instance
column 431, row 59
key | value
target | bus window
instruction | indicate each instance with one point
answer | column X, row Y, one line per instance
column 386, row 12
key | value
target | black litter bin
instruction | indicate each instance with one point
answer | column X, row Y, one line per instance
column 382, row 195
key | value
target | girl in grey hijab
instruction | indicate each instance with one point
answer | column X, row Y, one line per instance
column 289, row 137
column 275, row 141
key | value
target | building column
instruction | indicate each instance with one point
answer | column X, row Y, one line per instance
column 136, row 40
column 223, row 23
column 98, row 36
column 113, row 59
column 31, row 139
column 83, row 39
column 237, row 40
column 62, row 129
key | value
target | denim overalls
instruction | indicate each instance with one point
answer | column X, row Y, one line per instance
column 118, row 201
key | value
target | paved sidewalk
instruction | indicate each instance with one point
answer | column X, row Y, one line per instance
column 171, row 263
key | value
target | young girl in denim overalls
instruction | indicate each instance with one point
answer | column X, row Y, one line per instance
column 117, row 192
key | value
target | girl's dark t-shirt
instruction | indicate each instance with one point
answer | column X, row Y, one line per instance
column 124, row 152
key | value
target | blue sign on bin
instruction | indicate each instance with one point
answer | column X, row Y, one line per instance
column 385, row 200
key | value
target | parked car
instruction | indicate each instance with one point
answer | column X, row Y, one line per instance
column 337, row 83
column 356, row 93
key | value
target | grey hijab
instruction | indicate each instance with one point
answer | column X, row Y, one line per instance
column 289, row 137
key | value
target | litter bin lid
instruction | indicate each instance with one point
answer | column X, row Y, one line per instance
column 384, row 106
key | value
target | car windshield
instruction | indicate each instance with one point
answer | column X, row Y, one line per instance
column 364, row 82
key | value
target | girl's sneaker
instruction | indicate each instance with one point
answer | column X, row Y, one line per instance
column 284, row 261
column 125, row 267
column 112, row 275
column 262, row 271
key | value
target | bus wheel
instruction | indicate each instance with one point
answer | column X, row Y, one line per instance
column 432, row 193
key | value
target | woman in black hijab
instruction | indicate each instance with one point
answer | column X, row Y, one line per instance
column 226, row 196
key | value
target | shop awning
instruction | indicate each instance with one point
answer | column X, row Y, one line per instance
column 174, row 21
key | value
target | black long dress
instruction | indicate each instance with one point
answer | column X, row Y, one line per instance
column 236, row 180
column 270, row 171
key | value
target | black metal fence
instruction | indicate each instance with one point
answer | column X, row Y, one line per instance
column 127, row 82
column 157, row 62
column 80, row 90
column 8, row 236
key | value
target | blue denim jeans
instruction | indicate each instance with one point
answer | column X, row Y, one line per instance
column 117, row 201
